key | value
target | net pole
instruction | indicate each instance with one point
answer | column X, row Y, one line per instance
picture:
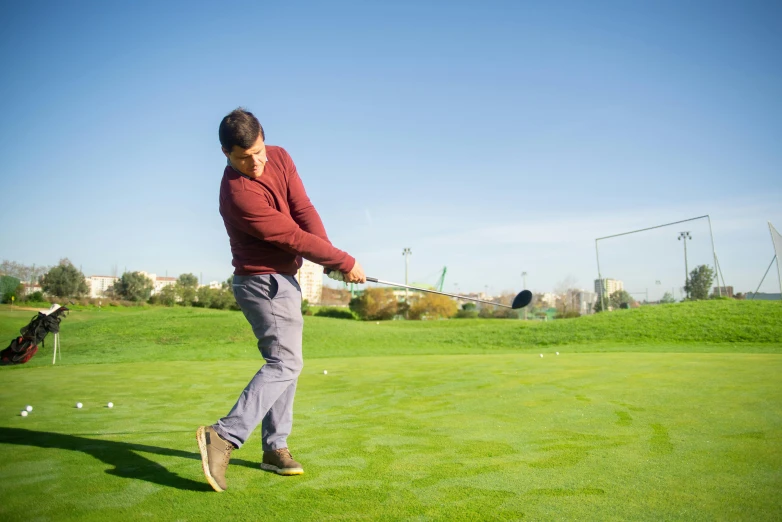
column 716, row 267
column 764, row 277
column 772, row 230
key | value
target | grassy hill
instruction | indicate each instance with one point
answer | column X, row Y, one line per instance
column 157, row 333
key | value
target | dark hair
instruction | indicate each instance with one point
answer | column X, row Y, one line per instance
column 241, row 128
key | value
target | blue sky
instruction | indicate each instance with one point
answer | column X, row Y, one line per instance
column 489, row 137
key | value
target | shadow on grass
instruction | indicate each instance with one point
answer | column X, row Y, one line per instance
column 123, row 456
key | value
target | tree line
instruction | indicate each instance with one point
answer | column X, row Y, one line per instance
column 66, row 281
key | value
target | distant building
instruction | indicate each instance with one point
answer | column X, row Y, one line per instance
column 99, row 284
column 725, row 290
column 763, row 296
column 548, row 299
column 161, row 282
column 582, row 301
column 310, row 278
column 609, row 286
column 30, row 288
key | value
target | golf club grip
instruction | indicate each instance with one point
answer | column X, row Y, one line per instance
column 372, row 279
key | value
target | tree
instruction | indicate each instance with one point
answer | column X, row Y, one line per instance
column 204, row 296
column 167, row 296
column 468, row 311
column 186, row 288
column 133, row 286
column 375, row 304
column 619, row 299
column 334, row 296
column 30, row 274
column 699, row 282
column 667, row 298
column 505, row 313
column 486, row 311
column 433, row 306
column 8, row 287
column 223, row 299
column 64, row 280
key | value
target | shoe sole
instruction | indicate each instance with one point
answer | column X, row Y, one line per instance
column 282, row 471
column 201, row 438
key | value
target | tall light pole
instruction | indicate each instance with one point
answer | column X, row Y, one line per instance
column 406, row 252
column 524, row 277
column 685, row 236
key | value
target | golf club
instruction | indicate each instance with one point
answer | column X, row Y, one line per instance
column 520, row 301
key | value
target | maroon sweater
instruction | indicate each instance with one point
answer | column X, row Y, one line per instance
column 271, row 222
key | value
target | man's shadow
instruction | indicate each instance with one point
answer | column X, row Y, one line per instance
column 123, row 456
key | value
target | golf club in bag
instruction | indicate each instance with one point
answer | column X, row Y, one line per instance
column 521, row 300
column 25, row 346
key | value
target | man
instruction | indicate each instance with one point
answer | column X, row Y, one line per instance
column 271, row 225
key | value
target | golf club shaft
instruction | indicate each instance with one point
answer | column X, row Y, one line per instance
column 380, row 281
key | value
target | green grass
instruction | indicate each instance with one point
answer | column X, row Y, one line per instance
column 671, row 412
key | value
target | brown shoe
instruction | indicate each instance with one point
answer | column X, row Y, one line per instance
column 215, row 454
column 281, row 462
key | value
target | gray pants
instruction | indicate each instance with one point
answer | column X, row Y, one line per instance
column 272, row 305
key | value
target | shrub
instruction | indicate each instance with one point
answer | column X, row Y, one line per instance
column 508, row 313
column 336, row 313
column 433, row 306
column 375, row 304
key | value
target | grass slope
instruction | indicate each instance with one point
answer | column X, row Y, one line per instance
column 169, row 334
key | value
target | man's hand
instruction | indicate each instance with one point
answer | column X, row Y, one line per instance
column 356, row 275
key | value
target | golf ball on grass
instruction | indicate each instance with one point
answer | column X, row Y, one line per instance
column 29, row 408
column 79, row 405
column 541, row 355
column 24, row 413
column 325, row 372
column 557, row 353
column 110, row 405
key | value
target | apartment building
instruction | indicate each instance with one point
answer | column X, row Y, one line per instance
column 310, row 278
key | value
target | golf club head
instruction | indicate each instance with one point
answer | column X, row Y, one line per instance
column 523, row 299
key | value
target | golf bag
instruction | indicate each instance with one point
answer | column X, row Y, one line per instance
column 24, row 347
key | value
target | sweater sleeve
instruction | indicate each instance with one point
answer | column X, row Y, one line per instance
column 254, row 215
column 302, row 210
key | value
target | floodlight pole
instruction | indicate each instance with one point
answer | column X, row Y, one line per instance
column 406, row 252
column 686, row 236
column 600, row 278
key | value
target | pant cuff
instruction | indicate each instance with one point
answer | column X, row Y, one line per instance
column 233, row 440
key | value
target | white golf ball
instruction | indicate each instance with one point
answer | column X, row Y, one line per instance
column 29, row 408
column 110, row 405
column 325, row 372
column 541, row 355
column 78, row 405
column 557, row 353
column 377, row 322
column 24, row 413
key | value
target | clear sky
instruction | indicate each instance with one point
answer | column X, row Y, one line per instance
column 489, row 137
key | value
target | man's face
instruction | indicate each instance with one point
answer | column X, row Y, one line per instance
column 249, row 162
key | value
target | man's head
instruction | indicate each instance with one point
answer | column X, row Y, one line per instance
column 242, row 140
